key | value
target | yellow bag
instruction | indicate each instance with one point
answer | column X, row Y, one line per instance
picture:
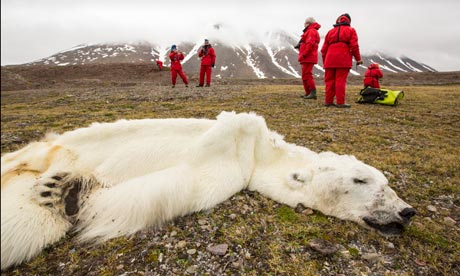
column 391, row 97
column 380, row 96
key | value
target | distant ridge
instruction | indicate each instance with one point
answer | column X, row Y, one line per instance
column 275, row 57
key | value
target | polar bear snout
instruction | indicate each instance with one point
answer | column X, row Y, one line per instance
column 389, row 225
column 407, row 214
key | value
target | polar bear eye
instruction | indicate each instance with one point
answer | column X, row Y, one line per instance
column 359, row 181
column 295, row 176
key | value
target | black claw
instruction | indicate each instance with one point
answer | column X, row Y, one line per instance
column 45, row 194
column 49, row 205
column 57, row 177
column 50, row 185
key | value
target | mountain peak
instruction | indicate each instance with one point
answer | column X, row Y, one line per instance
column 271, row 57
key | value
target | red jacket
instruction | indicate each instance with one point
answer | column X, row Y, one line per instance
column 160, row 64
column 207, row 55
column 308, row 52
column 340, row 45
column 175, row 60
column 372, row 76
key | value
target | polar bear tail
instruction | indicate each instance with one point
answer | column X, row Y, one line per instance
column 27, row 228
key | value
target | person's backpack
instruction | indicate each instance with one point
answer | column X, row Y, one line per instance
column 380, row 96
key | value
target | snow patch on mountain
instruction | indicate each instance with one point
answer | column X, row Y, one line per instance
column 413, row 68
column 272, row 57
column 251, row 62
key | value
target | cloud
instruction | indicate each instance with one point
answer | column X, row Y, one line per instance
column 33, row 29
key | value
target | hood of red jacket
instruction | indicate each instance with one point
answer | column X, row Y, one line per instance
column 314, row 25
column 373, row 66
column 343, row 20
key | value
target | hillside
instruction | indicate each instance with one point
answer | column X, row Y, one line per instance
column 414, row 144
column 19, row 77
column 272, row 57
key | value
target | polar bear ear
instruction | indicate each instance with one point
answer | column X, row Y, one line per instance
column 298, row 179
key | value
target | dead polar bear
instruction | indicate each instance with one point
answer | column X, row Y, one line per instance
column 115, row 179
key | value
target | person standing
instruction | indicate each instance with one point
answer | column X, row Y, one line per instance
column 176, row 67
column 208, row 60
column 372, row 76
column 339, row 48
column 159, row 64
column 308, row 56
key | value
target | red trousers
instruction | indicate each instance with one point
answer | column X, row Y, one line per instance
column 307, row 77
column 175, row 72
column 336, row 84
column 205, row 69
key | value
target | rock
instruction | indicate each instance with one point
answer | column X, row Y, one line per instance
column 431, row 208
column 346, row 254
column 120, row 267
column 420, row 263
column 299, row 208
column 160, row 258
column 237, row 264
column 202, row 222
column 323, row 247
column 449, row 221
column 191, row 251
column 173, row 233
column 308, row 212
column 373, row 257
column 232, row 216
column 219, row 249
column 181, row 244
column 191, row 269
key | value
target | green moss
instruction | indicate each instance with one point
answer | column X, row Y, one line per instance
column 286, row 214
column 182, row 262
column 432, row 238
column 152, row 256
column 318, row 218
column 353, row 252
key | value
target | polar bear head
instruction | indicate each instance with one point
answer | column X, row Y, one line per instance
column 345, row 187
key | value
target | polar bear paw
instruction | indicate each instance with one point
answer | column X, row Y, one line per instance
column 58, row 193
column 49, row 190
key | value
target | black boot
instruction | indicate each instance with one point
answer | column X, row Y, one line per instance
column 312, row 95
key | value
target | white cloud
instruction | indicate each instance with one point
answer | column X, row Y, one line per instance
column 422, row 29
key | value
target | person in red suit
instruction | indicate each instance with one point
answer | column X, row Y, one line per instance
column 308, row 56
column 208, row 60
column 176, row 67
column 339, row 48
column 372, row 76
column 160, row 65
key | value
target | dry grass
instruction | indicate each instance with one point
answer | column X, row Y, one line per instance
column 415, row 144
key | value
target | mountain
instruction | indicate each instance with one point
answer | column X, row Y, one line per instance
column 272, row 56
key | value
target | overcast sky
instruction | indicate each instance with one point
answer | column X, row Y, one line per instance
column 425, row 30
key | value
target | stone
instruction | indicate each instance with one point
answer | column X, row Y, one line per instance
column 219, row 249
column 323, row 247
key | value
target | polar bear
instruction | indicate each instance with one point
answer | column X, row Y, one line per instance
column 113, row 179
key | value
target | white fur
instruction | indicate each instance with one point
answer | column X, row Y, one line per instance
column 141, row 173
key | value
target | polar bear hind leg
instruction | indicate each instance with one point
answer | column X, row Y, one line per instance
column 27, row 227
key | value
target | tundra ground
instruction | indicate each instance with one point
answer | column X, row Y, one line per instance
column 415, row 144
